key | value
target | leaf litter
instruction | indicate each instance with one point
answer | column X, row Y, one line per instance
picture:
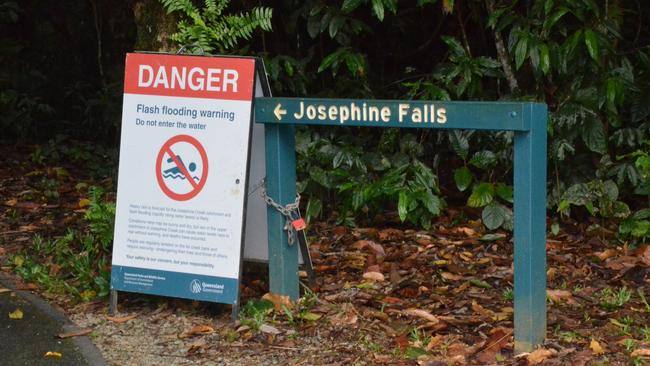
column 384, row 295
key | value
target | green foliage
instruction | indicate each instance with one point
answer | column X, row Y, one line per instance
column 210, row 29
column 77, row 263
column 611, row 299
column 368, row 183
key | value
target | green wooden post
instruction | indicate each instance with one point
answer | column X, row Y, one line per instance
column 281, row 187
column 530, row 229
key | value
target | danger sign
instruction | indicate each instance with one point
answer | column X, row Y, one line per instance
column 184, row 154
column 181, row 167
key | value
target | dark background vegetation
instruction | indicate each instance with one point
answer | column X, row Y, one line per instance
column 61, row 70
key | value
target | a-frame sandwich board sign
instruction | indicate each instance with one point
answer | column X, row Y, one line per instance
column 183, row 176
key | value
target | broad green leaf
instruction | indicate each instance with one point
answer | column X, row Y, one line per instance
column 591, row 40
column 448, row 6
column 620, row 210
column 335, row 25
column 521, row 51
column 350, row 5
column 459, row 143
column 544, row 58
column 492, row 237
column 378, row 9
column 432, row 203
column 483, row 159
column 329, row 60
column 593, row 134
column 611, row 190
column 641, row 229
column 550, row 21
column 504, row 192
column 314, row 208
column 493, row 215
column 402, row 205
column 482, row 194
column 555, row 228
column 642, row 214
column 309, row 316
column 463, row 178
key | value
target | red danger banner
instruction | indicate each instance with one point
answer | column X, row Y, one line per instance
column 189, row 76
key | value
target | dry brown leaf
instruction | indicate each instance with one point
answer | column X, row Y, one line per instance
column 84, row 202
column 198, row 330
column 467, row 231
column 121, row 319
column 450, row 276
column 422, row 314
column 497, row 340
column 28, row 286
column 478, row 309
column 606, row 254
column 374, row 276
column 3, row 290
column 12, row 202
column 641, row 352
column 269, row 329
column 643, row 252
column 596, row 347
column 435, row 341
column 280, row 302
column 76, row 333
column 558, row 296
column 347, row 316
column 539, row 355
column 197, row 346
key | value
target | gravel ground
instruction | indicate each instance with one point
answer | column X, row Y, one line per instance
column 159, row 335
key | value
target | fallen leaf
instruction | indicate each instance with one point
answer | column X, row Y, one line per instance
column 121, row 319
column 643, row 252
column 84, row 202
column 53, row 354
column 435, row 341
column 422, row 314
column 16, row 314
column 198, row 330
column 269, row 329
column 558, row 296
column 12, row 202
column 280, row 302
column 347, row 316
column 496, row 341
column 197, row 346
column 28, row 286
column 606, row 254
column 539, row 355
column 374, row 276
column 3, row 290
column 641, row 352
column 310, row 316
column 76, row 333
column 451, row 276
column 596, row 348
column 467, row 231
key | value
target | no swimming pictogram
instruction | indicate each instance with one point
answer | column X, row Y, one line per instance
column 182, row 167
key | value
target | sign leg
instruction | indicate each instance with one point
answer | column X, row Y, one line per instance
column 112, row 303
column 281, row 187
column 530, row 230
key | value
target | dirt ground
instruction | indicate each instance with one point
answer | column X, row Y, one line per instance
column 385, row 295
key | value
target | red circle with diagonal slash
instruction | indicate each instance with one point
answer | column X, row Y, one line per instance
column 167, row 149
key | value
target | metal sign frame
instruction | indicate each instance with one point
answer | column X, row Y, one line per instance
column 527, row 120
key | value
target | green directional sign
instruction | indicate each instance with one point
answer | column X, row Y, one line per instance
column 391, row 113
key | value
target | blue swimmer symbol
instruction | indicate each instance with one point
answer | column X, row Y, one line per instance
column 175, row 172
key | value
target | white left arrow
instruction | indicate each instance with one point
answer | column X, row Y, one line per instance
column 279, row 112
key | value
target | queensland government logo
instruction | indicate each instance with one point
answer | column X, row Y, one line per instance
column 195, row 287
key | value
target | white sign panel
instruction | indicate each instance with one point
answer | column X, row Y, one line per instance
column 184, row 153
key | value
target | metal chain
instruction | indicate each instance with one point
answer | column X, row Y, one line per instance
column 291, row 211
